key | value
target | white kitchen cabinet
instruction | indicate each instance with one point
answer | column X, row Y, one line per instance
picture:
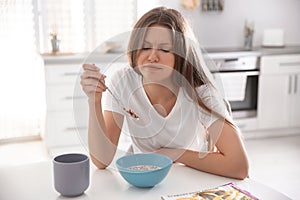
column 279, row 92
column 61, row 127
column 67, row 108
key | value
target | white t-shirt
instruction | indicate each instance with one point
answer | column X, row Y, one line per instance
column 184, row 127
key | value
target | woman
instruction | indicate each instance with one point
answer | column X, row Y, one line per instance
column 168, row 89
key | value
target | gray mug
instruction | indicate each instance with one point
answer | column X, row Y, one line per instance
column 71, row 174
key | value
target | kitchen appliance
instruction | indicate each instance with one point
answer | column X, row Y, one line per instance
column 273, row 38
column 236, row 74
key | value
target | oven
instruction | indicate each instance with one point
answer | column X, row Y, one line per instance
column 237, row 74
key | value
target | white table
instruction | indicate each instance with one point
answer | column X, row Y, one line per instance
column 35, row 182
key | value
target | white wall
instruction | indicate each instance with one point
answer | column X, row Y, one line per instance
column 225, row 29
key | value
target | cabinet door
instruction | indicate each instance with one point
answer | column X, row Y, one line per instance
column 273, row 101
column 63, row 130
column 295, row 105
column 62, row 73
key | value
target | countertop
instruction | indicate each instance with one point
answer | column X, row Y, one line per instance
column 35, row 182
column 66, row 58
column 92, row 57
column 262, row 51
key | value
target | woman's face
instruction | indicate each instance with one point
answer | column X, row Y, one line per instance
column 156, row 60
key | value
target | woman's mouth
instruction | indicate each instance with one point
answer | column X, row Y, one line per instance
column 152, row 68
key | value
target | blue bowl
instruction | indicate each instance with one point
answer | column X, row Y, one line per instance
column 144, row 169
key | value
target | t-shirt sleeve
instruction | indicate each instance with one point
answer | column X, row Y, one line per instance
column 214, row 102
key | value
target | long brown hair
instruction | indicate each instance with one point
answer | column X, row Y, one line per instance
column 191, row 74
column 187, row 62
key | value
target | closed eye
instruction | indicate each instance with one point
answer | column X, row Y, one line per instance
column 165, row 50
column 146, row 48
column 161, row 49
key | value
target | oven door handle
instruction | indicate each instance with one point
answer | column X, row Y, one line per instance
column 251, row 73
column 246, row 73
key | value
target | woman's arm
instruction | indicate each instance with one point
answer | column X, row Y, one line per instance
column 229, row 160
column 103, row 134
column 103, row 129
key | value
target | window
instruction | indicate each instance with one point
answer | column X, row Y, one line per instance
column 25, row 27
column 66, row 19
column 82, row 25
column 22, row 102
column 17, row 27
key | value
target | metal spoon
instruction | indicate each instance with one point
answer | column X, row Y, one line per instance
column 129, row 111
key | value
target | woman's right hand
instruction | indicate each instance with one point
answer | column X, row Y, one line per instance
column 92, row 82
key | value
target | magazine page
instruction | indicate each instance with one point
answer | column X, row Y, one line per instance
column 228, row 191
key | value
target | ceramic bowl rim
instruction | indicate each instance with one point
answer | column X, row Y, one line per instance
column 127, row 170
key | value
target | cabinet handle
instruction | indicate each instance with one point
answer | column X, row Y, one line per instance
column 71, row 74
column 290, row 84
column 296, row 83
column 75, row 128
column 75, row 97
column 231, row 60
column 241, row 126
column 289, row 64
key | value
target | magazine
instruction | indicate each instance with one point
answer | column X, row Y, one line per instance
column 228, row 191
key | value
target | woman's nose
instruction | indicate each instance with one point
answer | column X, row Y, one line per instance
column 153, row 57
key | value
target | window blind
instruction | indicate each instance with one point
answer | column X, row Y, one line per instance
column 25, row 28
column 113, row 18
column 21, row 78
column 66, row 19
column 17, row 28
column 82, row 25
